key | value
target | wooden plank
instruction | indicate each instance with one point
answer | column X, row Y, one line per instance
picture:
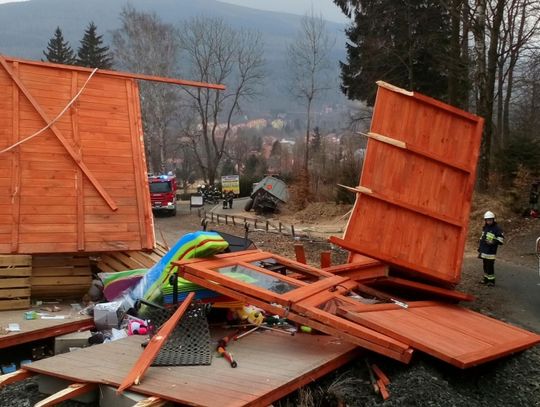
column 79, row 175
column 427, row 288
column 14, row 292
column 8, row 305
column 300, row 253
column 151, row 402
column 14, row 282
column 15, row 260
column 326, row 259
column 119, row 74
column 16, row 272
column 146, row 241
column 15, row 377
column 72, row 391
column 314, row 288
column 156, row 342
column 54, row 281
column 15, row 169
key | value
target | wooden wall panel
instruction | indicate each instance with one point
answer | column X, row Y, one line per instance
column 61, row 209
column 416, row 185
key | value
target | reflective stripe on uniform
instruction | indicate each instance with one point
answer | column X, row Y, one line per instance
column 490, row 277
column 500, row 239
column 487, row 256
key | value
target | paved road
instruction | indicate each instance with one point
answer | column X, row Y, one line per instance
column 518, row 286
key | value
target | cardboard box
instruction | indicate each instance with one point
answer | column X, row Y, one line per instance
column 108, row 315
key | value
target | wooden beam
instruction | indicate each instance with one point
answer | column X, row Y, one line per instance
column 15, row 170
column 153, row 347
column 326, row 259
column 300, row 253
column 67, row 145
column 426, row 288
column 396, row 202
column 70, row 392
column 30, row 336
column 79, row 181
column 127, row 75
column 137, row 170
column 151, row 402
column 14, row 377
column 353, row 246
column 418, row 151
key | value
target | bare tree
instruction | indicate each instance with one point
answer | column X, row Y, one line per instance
column 217, row 53
column 308, row 62
column 144, row 44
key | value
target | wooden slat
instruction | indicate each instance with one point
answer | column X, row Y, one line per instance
column 15, row 377
column 129, row 75
column 300, row 253
column 136, row 163
column 15, row 260
column 156, row 342
column 72, row 391
column 15, row 169
column 79, row 177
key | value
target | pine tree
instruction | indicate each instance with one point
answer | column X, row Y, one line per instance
column 58, row 50
column 404, row 43
column 91, row 53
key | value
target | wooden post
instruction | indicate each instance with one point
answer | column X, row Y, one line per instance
column 233, row 221
column 300, row 253
column 212, row 217
column 326, row 258
column 292, row 231
column 279, row 227
column 267, row 226
column 226, row 219
column 217, row 218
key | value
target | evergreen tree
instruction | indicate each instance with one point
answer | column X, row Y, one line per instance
column 58, row 50
column 92, row 53
column 403, row 43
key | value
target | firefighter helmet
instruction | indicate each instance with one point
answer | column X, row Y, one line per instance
column 489, row 215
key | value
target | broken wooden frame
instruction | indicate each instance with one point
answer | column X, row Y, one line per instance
column 330, row 303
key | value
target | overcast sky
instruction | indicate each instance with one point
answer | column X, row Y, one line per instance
column 326, row 7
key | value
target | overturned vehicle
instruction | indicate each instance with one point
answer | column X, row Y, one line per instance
column 267, row 195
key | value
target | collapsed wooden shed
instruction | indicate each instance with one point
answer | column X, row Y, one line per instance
column 72, row 166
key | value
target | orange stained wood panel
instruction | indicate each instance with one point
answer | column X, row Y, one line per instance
column 416, row 185
column 102, row 128
column 459, row 336
column 287, row 363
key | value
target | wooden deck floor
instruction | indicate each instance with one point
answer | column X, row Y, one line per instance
column 36, row 329
column 270, row 366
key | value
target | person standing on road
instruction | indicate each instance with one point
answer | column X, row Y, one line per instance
column 492, row 237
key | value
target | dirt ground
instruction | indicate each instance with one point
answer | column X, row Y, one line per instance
column 512, row 381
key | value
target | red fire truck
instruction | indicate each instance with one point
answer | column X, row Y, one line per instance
column 163, row 193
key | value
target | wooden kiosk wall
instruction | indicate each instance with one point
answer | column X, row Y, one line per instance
column 80, row 185
column 414, row 198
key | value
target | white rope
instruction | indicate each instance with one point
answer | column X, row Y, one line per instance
column 55, row 119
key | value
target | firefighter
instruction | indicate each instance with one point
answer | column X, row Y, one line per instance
column 492, row 237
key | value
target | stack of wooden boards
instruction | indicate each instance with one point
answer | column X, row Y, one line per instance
column 15, row 272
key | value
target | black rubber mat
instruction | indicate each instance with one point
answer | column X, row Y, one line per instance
column 189, row 343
